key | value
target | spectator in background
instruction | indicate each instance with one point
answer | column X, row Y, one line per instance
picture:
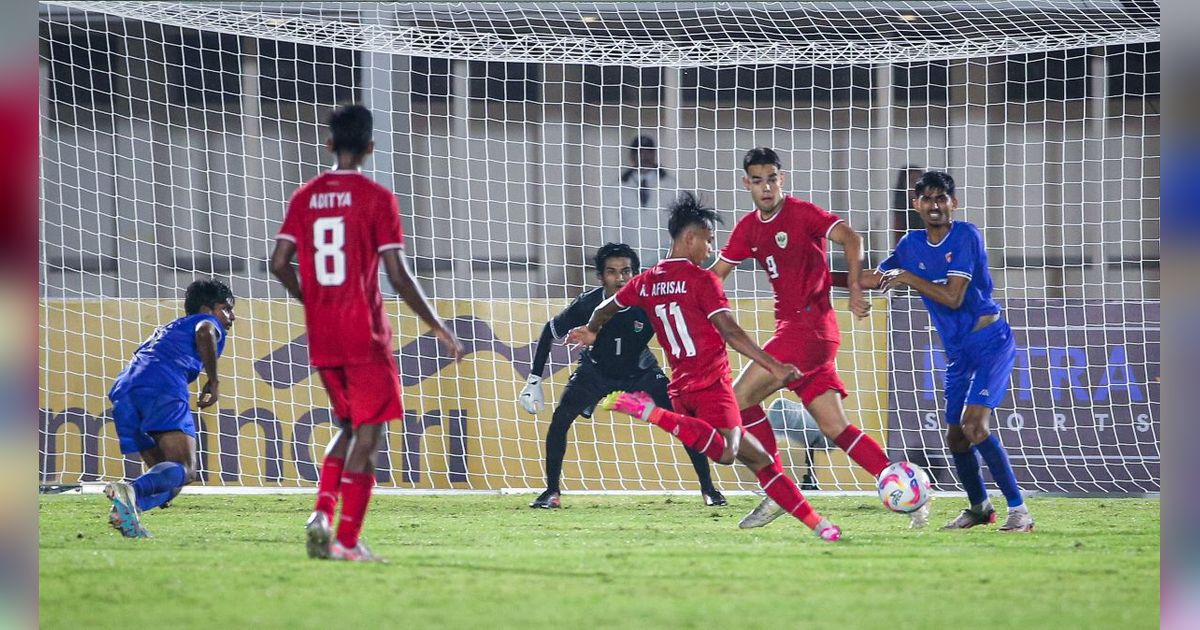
column 646, row 190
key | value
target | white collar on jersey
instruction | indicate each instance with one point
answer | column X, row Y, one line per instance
column 944, row 238
column 782, row 205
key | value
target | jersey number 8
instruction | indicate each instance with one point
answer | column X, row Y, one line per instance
column 329, row 236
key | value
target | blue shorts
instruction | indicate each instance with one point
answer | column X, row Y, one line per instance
column 140, row 412
column 979, row 372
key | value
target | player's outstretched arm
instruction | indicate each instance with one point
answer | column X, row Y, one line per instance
column 950, row 294
column 586, row 334
column 740, row 341
column 207, row 336
column 404, row 284
column 869, row 280
column 282, row 269
column 722, row 268
column 541, row 353
column 851, row 243
column 531, row 398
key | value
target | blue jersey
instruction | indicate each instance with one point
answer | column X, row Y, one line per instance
column 960, row 253
column 168, row 361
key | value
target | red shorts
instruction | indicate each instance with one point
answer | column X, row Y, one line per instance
column 365, row 393
column 812, row 355
column 714, row 404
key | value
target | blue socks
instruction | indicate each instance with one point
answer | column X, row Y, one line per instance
column 997, row 460
column 971, row 475
column 150, row 502
column 159, row 484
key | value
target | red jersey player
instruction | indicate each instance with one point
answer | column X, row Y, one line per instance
column 786, row 236
column 340, row 225
column 693, row 322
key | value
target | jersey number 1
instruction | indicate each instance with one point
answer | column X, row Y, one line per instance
column 329, row 236
column 680, row 331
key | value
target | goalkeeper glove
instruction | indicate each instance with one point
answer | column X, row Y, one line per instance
column 531, row 396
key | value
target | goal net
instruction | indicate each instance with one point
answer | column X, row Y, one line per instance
column 519, row 137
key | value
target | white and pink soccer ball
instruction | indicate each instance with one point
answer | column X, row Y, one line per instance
column 904, row 487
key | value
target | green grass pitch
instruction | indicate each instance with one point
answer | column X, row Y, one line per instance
column 488, row 561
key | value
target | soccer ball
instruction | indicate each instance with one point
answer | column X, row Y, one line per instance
column 904, row 487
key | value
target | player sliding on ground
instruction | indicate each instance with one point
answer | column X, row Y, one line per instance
column 340, row 225
column 150, row 402
column 693, row 322
column 619, row 359
column 786, row 237
column 947, row 264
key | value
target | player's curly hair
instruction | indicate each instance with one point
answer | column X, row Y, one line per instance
column 937, row 180
column 688, row 210
column 761, row 155
column 350, row 128
column 616, row 250
column 208, row 293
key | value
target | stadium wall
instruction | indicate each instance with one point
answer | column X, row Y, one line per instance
column 462, row 428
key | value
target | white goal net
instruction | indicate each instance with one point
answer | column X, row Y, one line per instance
column 519, row 137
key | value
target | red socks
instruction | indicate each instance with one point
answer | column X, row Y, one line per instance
column 784, row 491
column 863, row 449
column 754, row 421
column 328, row 484
column 691, row 431
column 356, row 494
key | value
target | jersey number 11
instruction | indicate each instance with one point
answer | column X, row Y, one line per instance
column 680, row 331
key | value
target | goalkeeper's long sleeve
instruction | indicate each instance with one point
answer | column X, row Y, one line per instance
column 542, row 352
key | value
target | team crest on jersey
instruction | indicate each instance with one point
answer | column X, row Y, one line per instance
column 781, row 239
column 637, row 327
column 949, row 256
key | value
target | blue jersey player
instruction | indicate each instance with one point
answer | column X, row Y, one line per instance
column 947, row 264
column 151, row 408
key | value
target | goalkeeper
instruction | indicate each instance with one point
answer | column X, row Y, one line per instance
column 619, row 360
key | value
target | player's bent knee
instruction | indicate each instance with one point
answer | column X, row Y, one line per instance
column 976, row 432
column 957, row 441
column 961, row 445
column 561, row 420
column 753, row 455
column 756, row 460
column 833, row 426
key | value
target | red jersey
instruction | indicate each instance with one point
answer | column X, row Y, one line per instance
column 790, row 247
column 340, row 221
column 680, row 299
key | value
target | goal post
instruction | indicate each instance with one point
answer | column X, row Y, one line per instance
column 519, row 137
